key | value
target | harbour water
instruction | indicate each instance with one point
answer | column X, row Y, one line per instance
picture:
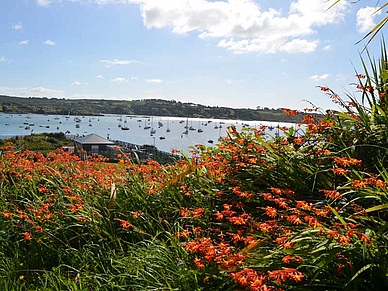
column 165, row 133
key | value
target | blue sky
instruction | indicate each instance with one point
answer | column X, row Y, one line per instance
column 235, row 53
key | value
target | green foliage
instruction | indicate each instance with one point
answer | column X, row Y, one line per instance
column 44, row 142
column 305, row 210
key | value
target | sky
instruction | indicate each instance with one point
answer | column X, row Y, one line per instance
column 233, row 53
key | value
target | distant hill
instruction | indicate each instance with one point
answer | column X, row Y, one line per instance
column 156, row 107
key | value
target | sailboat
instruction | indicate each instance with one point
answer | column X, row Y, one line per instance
column 186, row 127
column 145, row 124
column 199, row 126
column 125, row 127
column 152, row 131
column 168, row 127
column 191, row 126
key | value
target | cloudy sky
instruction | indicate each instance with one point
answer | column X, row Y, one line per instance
column 236, row 53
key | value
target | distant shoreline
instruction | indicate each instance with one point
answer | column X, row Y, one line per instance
column 146, row 107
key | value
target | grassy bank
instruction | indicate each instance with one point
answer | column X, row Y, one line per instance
column 304, row 211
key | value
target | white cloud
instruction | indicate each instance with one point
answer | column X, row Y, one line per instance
column 229, row 81
column 42, row 91
column 119, row 80
column 154, row 81
column 327, row 48
column 23, row 42
column 43, row 2
column 100, row 76
column 49, row 42
column 366, row 18
column 269, row 45
column 115, row 62
column 45, row 92
column 241, row 24
column 76, row 83
column 316, row 78
column 17, row 26
column 134, row 78
column 4, row 60
column 299, row 46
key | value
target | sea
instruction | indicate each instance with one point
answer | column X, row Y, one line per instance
column 165, row 133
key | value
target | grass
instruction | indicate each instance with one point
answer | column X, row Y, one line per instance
column 303, row 211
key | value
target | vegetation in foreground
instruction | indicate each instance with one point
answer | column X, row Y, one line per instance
column 43, row 142
column 304, row 211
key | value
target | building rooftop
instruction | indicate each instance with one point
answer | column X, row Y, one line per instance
column 93, row 139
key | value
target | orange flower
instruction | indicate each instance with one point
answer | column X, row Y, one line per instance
column 294, row 219
column 340, row 171
column 135, row 214
column 270, row 211
column 277, row 191
column 333, row 194
column 290, row 112
column 7, row 214
column 324, row 89
column 346, row 162
column 288, row 259
column 124, row 224
column 199, row 263
column 27, row 236
column 359, row 183
column 197, row 213
column 308, row 119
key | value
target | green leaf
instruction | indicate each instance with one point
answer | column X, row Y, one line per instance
column 359, row 272
column 378, row 207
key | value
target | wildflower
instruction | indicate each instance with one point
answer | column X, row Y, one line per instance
column 290, row 112
column 340, row 171
column 199, row 263
column 270, row 211
column 298, row 140
column 124, row 224
column 185, row 233
column 219, row 215
column 294, row 219
column 288, row 259
column 197, row 230
column 277, row 191
column 303, row 205
column 333, row 194
column 308, row 119
column 324, row 89
column 343, row 239
column 135, row 214
column 27, row 236
column 332, row 234
column 313, row 222
column 359, row 183
column 7, row 214
column 197, row 213
column 346, row 162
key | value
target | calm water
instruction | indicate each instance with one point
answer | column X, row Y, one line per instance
column 108, row 127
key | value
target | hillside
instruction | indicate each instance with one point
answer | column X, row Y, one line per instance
column 155, row 107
